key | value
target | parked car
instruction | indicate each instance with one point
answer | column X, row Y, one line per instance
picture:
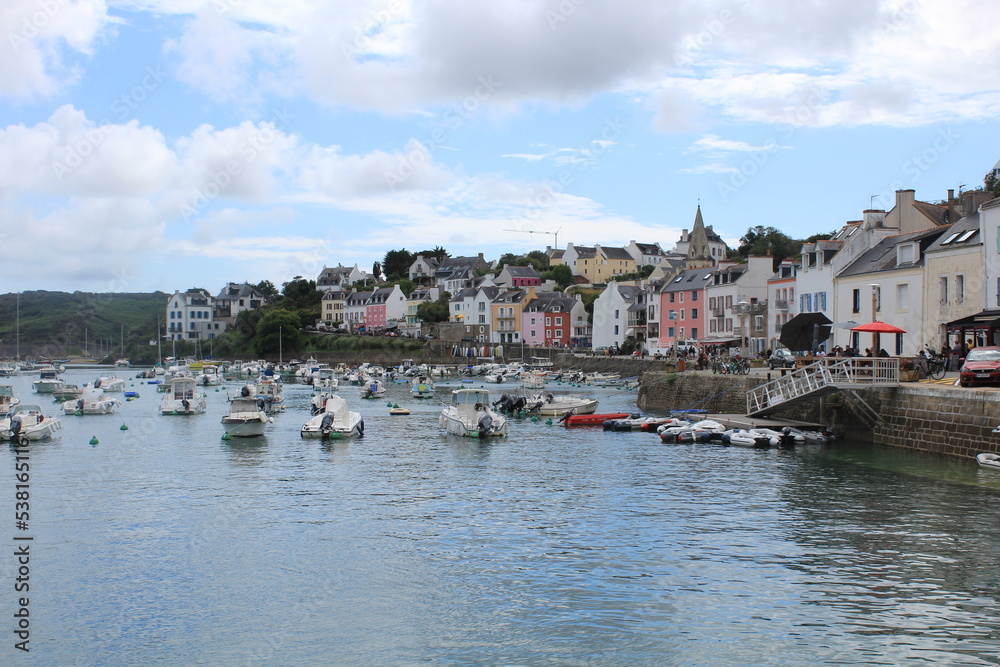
column 981, row 366
column 781, row 358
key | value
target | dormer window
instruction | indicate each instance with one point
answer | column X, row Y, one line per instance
column 906, row 253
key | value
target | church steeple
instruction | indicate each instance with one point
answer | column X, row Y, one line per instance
column 698, row 252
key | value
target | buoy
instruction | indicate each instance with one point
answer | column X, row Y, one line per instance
column 93, row 440
column 226, row 436
column 395, row 405
column 123, row 427
column 77, row 414
column 548, row 422
column 389, row 404
column 174, row 412
column 534, row 419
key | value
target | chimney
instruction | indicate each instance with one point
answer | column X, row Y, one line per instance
column 876, row 218
column 904, row 198
column 951, row 194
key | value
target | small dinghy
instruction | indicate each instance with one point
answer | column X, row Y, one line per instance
column 988, row 460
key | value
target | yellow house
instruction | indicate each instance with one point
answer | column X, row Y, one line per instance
column 506, row 315
column 332, row 309
column 598, row 264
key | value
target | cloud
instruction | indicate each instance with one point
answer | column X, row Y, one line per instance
column 43, row 39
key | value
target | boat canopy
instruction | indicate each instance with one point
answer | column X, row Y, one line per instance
column 469, row 397
column 338, row 407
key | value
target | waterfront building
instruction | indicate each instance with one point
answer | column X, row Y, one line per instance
column 702, row 247
column 681, row 308
column 191, row 316
column 518, row 276
column 548, row 318
column 233, row 300
column 332, row 307
column 356, row 310
column 457, row 273
column 340, row 277
column 781, row 297
column 737, row 296
column 418, row 296
column 617, row 315
column 385, row 308
column 506, row 316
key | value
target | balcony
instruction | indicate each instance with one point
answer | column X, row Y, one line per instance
column 781, row 305
column 718, row 312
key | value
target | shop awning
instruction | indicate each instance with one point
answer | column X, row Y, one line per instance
column 986, row 320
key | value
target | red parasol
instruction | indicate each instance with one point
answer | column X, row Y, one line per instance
column 878, row 327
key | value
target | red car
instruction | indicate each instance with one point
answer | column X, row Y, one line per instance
column 982, row 366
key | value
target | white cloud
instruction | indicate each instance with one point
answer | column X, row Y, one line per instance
column 43, row 39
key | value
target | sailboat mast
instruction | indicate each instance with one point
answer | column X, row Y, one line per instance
column 17, row 327
column 159, row 339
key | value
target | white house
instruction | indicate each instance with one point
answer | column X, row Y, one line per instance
column 191, row 316
column 611, row 314
column 737, row 296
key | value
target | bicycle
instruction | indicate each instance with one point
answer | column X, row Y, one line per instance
column 935, row 368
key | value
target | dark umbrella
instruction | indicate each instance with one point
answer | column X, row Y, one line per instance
column 805, row 331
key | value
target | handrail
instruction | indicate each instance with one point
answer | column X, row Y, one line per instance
column 823, row 375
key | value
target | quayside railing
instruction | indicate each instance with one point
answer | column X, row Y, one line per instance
column 823, row 376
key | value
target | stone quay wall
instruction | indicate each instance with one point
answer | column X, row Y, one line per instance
column 921, row 417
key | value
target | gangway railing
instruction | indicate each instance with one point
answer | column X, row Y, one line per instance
column 823, row 376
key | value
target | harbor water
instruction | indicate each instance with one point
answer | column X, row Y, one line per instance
column 165, row 544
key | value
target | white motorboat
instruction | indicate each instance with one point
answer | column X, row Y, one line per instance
column 422, row 387
column 551, row 405
column 245, row 418
column 373, row 388
column 988, row 460
column 7, row 398
column 533, row 379
column 209, row 376
column 110, row 383
column 470, row 415
column 67, row 392
column 335, row 421
column 122, row 363
column 9, row 369
column 28, row 422
column 91, row 402
column 269, row 391
column 325, row 377
column 48, row 381
column 183, row 398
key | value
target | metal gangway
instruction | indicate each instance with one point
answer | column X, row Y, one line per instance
column 822, row 377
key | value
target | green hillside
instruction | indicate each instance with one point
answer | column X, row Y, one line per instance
column 60, row 324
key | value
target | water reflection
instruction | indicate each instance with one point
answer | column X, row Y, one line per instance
column 551, row 546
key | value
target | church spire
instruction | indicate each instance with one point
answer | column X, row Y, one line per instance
column 698, row 251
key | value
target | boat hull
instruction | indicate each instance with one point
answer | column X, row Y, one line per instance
column 244, row 428
column 593, row 419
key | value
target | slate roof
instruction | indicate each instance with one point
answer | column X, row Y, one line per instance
column 617, row 253
column 690, row 279
column 882, row 256
column 962, row 234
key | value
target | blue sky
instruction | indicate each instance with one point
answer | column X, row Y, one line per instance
column 165, row 144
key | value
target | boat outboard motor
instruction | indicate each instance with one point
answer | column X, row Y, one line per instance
column 79, row 404
column 327, row 424
column 245, row 391
column 485, row 422
column 97, row 383
column 187, row 404
column 15, row 428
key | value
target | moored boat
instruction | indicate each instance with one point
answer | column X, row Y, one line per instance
column 559, row 405
column 7, row 398
column 470, row 415
column 28, row 423
column 373, row 388
column 336, row 421
column 422, row 387
column 183, row 398
column 48, row 381
column 92, row 401
column 988, row 460
column 593, row 419
column 245, row 418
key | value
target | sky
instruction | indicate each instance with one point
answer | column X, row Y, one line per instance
column 167, row 144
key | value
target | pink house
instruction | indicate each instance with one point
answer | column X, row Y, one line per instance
column 683, row 307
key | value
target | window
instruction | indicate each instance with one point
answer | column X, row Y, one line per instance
column 533, row 334
column 694, row 313
column 694, row 295
column 681, row 295
column 758, row 322
column 558, row 333
column 694, row 332
column 671, row 297
column 670, row 332
column 482, row 305
column 682, row 313
column 532, row 323
column 559, row 321
column 960, row 288
column 616, row 329
column 616, row 314
column 856, row 301
column 822, row 300
column 548, row 321
column 943, row 289
column 482, row 319
column 672, row 315
column 902, row 296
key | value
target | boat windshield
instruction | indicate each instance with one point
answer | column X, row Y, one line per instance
column 470, row 397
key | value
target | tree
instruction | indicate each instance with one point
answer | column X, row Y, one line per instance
column 396, row 264
column 377, row 271
column 277, row 330
column 267, row 288
column 562, row 274
column 538, row 259
column 762, row 240
column 992, row 183
column 438, row 253
column 820, row 237
column 435, row 311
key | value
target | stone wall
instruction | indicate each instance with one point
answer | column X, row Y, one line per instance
column 939, row 419
column 921, row 417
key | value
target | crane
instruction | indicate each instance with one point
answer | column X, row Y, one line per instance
column 554, row 234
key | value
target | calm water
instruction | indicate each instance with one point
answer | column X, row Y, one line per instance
column 164, row 544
